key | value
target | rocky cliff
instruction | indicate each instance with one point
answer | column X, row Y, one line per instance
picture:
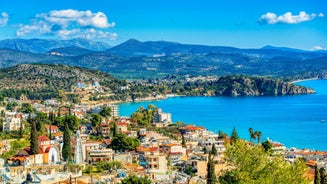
column 256, row 86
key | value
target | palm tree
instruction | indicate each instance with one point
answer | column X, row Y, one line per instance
column 251, row 134
column 259, row 134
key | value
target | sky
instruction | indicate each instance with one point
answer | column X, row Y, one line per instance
column 245, row 24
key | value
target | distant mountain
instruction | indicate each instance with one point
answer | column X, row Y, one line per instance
column 135, row 59
column 69, row 51
column 43, row 45
column 134, row 47
column 283, row 49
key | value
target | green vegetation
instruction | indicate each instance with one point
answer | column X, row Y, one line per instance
column 109, row 166
column 15, row 146
column 136, row 180
column 211, row 176
column 122, row 143
column 320, row 175
column 251, row 164
column 45, row 81
column 144, row 117
column 66, row 148
column 234, row 136
column 33, row 139
column 105, row 112
column 267, row 146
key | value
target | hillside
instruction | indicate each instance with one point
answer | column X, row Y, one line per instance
column 42, row 81
column 69, row 51
column 135, row 60
column 44, row 45
column 39, row 81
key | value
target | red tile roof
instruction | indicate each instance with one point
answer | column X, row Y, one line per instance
column 43, row 138
column 51, row 127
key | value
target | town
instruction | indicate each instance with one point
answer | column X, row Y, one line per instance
column 56, row 141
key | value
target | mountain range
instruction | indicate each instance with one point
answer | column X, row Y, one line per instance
column 45, row 45
column 136, row 59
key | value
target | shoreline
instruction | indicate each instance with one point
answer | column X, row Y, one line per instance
column 302, row 80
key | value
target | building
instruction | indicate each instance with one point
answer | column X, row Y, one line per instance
column 174, row 151
column 122, row 127
column 152, row 160
column 162, row 119
column 13, row 121
column 94, row 156
column 48, row 154
column 51, row 128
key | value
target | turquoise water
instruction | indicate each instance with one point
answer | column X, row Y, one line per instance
column 294, row 121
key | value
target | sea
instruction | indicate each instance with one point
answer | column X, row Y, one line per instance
column 294, row 120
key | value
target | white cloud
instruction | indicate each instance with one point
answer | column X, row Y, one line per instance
column 4, row 18
column 287, row 18
column 318, row 47
column 87, row 34
column 65, row 18
column 69, row 23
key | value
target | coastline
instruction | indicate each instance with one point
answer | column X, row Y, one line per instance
column 302, row 80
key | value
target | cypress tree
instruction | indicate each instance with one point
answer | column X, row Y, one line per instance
column 211, row 177
column 323, row 176
column 214, row 151
column 234, row 137
column 114, row 133
column 21, row 130
column 33, row 141
column 183, row 141
column 66, row 148
column 317, row 175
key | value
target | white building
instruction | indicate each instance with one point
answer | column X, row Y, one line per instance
column 162, row 119
column 12, row 121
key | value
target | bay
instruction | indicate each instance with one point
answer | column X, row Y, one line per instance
column 294, row 120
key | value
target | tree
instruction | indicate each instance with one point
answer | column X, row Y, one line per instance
column 258, row 134
column 234, row 137
column 317, row 175
column 96, row 120
column 21, row 131
column 121, row 143
column 113, row 129
column 109, row 166
column 132, row 179
column 105, row 112
column 211, row 176
column 27, row 108
column 323, row 176
column 251, row 134
column 183, row 141
column 222, row 134
column 66, row 148
column 73, row 122
column 251, row 164
column 267, row 146
column 33, row 138
column 214, row 151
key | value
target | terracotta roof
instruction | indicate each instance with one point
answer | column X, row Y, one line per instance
column 277, row 144
column 43, row 138
column 170, row 145
column 57, row 134
column 311, row 163
column 192, row 128
column 151, row 149
column 122, row 124
column 52, row 127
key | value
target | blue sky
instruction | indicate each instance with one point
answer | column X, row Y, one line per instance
column 246, row 24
